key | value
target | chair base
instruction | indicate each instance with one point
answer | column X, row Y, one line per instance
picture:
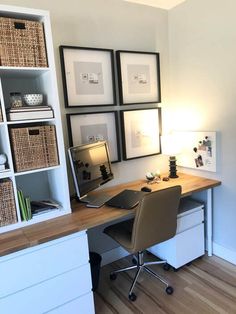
column 142, row 266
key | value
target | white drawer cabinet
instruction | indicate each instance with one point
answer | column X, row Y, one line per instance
column 188, row 243
column 39, row 263
column 39, row 279
column 81, row 305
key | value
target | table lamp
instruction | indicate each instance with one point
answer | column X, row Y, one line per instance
column 170, row 147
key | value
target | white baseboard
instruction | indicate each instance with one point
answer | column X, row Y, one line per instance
column 224, row 253
column 113, row 255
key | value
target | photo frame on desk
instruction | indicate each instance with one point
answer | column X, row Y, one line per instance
column 138, row 77
column 141, row 131
column 90, row 127
column 87, row 76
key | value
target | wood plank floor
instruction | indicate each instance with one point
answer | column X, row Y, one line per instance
column 207, row 286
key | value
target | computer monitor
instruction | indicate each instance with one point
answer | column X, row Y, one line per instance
column 91, row 168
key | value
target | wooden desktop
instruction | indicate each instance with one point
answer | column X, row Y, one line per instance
column 83, row 218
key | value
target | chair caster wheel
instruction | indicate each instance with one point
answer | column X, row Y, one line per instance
column 166, row 266
column 132, row 297
column 113, row 276
column 169, row 290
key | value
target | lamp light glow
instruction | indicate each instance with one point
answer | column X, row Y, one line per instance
column 170, row 146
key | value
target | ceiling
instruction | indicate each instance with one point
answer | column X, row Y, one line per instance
column 163, row 4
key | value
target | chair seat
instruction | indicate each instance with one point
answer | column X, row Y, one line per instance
column 121, row 233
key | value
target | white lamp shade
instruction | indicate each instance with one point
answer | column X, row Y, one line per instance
column 170, row 145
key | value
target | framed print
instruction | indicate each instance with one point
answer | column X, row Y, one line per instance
column 88, row 76
column 141, row 130
column 138, row 77
column 90, row 127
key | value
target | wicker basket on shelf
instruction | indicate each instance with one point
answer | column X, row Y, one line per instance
column 22, row 43
column 7, row 203
column 34, row 147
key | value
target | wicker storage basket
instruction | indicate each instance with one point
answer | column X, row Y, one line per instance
column 7, row 203
column 34, row 147
column 22, row 43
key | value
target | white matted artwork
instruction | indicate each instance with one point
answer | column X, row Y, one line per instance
column 88, row 76
column 91, row 127
column 141, row 132
column 139, row 77
column 198, row 150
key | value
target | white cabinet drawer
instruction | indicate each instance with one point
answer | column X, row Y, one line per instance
column 191, row 213
column 49, row 294
column 189, row 220
column 30, row 266
column 82, row 305
column 182, row 248
column 188, row 205
column 190, row 245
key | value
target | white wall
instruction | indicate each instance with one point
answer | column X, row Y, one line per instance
column 113, row 24
column 202, row 37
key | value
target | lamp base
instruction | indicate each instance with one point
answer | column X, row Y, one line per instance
column 173, row 170
column 173, row 176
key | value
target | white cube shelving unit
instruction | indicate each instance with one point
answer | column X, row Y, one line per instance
column 44, row 183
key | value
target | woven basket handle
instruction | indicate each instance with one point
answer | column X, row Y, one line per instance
column 33, row 131
column 19, row 25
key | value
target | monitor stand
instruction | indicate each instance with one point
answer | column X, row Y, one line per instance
column 96, row 200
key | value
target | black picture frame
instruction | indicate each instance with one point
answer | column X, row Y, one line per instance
column 81, row 128
column 141, row 132
column 87, row 76
column 138, row 77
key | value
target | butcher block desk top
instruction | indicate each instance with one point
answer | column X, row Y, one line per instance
column 83, row 218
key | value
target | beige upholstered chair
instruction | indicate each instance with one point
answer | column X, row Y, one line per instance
column 155, row 221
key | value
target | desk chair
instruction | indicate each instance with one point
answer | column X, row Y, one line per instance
column 155, row 221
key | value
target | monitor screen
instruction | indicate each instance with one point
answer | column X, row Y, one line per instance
column 90, row 166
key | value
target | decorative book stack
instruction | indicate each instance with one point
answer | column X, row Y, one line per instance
column 29, row 113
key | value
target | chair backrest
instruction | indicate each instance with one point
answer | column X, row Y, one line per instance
column 156, row 218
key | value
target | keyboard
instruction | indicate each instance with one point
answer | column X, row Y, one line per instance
column 97, row 201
